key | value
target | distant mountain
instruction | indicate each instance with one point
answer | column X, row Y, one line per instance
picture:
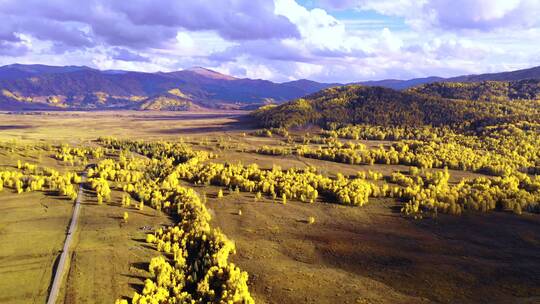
column 526, row 89
column 401, row 84
column 309, row 85
column 74, row 87
column 531, row 73
column 18, row 71
column 206, row 73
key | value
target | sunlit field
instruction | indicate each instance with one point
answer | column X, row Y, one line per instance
column 205, row 207
column 270, row 152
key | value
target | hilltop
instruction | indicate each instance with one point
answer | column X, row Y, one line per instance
column 524, row 74
column 426, row 105
column 486, row 90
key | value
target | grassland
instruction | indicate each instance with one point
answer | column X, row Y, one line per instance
column 372, row 254
column 109, row 258
column 32, row 232
column 76, row 127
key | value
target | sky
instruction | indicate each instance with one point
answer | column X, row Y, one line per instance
column 279, row 40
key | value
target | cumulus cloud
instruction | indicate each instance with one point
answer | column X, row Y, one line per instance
column 127, row 55
column 232, row 19
column 143, row 23
column 316, row 26
column 450, row 48
column 323, row 39
column 12, row 49
column 268, row 49
column 484, row 15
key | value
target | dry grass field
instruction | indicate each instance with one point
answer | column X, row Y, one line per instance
column 369, row 254
column 109, row 257
column 83, row 126
column 32, row 232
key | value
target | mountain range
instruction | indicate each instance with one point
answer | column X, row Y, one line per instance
column 28, row 87
column 79, row 87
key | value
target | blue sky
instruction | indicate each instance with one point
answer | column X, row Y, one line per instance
column 279, row 40
column 365, row 16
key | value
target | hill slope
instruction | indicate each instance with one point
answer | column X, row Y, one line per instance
column 485, row 90
column 401, row 84
column 531, row 73
column 356, row 104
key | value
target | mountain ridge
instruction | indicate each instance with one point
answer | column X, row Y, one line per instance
column 76, row 87
column 82, row 87
column 515, row 75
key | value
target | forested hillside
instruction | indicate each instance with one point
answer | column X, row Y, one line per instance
column 531, row 73
column 423, row 106
column 485, row 90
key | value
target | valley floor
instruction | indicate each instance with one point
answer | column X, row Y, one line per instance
column 374, row 255
column 369, row 254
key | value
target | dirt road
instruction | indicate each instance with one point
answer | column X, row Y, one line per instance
column 62, row 268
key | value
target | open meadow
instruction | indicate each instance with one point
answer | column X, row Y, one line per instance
column 246, row 215
column 270, row 152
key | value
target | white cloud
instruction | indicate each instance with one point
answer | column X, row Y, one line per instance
column 316, row 26
column 389, row 41
column 484, row 15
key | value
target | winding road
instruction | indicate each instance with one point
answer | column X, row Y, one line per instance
column 62, row 264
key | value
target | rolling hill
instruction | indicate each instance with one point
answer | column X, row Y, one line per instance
column 528, row 89
column 401, row 84
column 531, row 73
column 356, row 104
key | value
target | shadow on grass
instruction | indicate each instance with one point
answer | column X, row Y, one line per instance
column 141, row 265
column 238, row 123
column 137, row 286
column 396, row 208
column 14, row 127
column 148, row 246
column 134, row 276
column 53, row 272
column 139, row 240
column 56, row 195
